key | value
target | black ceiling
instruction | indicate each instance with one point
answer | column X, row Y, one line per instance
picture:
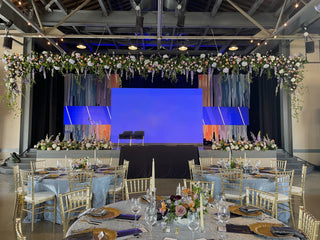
column 203, row 25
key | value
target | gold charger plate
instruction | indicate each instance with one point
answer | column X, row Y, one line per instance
column 54, row 175
column 112, row 213
column 110, row 234
column 264, row 229
column 236, row 210
column 43, row 172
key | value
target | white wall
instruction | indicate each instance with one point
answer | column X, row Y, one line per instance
column 306, row 132
column 9, row 124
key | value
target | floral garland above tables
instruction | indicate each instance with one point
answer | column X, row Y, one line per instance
column 20, row 70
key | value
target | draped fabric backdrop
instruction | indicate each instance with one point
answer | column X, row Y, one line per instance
column 232, row 90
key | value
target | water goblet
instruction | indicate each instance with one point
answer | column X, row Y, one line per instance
column 135, row 208
column 193, row 222
column 150, row 218
column 223, row 218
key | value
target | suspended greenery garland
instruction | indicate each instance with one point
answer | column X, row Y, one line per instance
column 20, row 70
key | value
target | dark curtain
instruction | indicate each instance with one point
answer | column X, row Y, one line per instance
column 47, row 112
column 264, row 112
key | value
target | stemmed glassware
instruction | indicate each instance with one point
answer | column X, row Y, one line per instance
column 193, row 222
column 59, row 166
column 223, row 218
column 151, row 217
column 135, row 208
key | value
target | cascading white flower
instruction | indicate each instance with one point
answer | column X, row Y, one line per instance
column 266, row 65
column 226, row 70
column 214, row 64
column 244, row 64
column 71, row 61
column 90, row 64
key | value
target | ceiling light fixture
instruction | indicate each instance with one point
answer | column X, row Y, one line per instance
column 183, row 48
column 251, row 41
column 233, row 48
column 296, row 5
column 285, row 24
column 81, row 46
column 132, row 47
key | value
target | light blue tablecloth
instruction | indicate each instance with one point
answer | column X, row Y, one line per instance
column 263, row 184
column 100, row 188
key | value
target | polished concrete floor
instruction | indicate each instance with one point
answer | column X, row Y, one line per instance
column 44, row 229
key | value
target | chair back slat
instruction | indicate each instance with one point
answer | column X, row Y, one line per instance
column 308, row 224
column 80, row 179
column 206, row 186
column 137, row 186
column 261, row 199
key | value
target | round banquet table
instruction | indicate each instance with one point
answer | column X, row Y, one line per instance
column 177, row 230
column 60, row 185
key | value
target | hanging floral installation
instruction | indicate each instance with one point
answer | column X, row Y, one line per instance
column 20, row 70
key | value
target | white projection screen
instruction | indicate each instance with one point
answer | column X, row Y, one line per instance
column 165, row 115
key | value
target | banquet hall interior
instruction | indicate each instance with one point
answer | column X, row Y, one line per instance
column 231, row 82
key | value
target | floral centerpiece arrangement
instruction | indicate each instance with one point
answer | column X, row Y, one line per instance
column 81, row 163
column 257, row 144
column 86, row 144
column 177, row 206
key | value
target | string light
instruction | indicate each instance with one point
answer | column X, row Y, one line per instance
column 251, row 41
column 258, row 44
column 48, row 43
column 265, row 43
column 285, row 24
column 296, row 5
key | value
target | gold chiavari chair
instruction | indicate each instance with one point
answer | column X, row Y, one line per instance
column 280, row 165
column 38, row 165
column 282, row 195
column 190, row 163
column 118, row 186
column 197, row 172
column 18, row 191
column 300, row 190
column 71, row 204
column 126, row 165
column 18, row 229
column 206, row 161
column 231, row 182
column 137, row 186
column 261, row 199
column 308, row 224
column 35, row 202
column 204, row 185
column 80, row 179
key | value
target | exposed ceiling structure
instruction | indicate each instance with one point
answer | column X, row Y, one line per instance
column 210, row 26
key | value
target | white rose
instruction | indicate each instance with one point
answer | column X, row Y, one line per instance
column 211, row 58
column 54, row 146
column 90, row 64
column 236, row 147
column 202, row 55
column 44, row 52
column 119, row 65
column 146, row 62
column 246, row 146
column 219, row 54
column 257, row 148
column 49, row 59
column 244, row 64
column 56, row 67
column 88, row 145
column 266, row 65
column 165, row 56
column 226, row 70
column 228, row 149
column 272, row 58
column 5, row 67
column 106, row 67
column 281, row 71
column 298, row 64
column 156, row 64
column 12, row 80
column 78, row 55
column 133, row 58
column 293, row 79
column 258, row 55
column 214, row 147
column 199, row 70
column 58, row 149
column 214, row 64
column 71, row 61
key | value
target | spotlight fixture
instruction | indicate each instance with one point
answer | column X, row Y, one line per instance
column 233, row 48
column 81, row 46
column 7, row 42
column 183, row 48
column 132, row 47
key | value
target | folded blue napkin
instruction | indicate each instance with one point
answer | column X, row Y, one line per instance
column 284, row 231
column 128, row 216
column 127, row 232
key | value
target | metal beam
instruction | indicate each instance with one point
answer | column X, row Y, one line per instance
column 37, row 14
column 234, row 37
column 159, row 23
column 255, row 7
column 280, row 16
column 215, row 8
column 127, row 19
column 103, row 7
column 32, row 24
column 249, row 17
column 68, row 16
column 58, row 3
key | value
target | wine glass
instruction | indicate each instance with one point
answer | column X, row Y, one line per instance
column 151, row 217
column 59, row 166
column 223, row 218
column 135, row 208
column 193, row 222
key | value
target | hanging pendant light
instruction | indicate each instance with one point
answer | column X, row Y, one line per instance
column 81, row 46
column 183, row 48
column 132, row 47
